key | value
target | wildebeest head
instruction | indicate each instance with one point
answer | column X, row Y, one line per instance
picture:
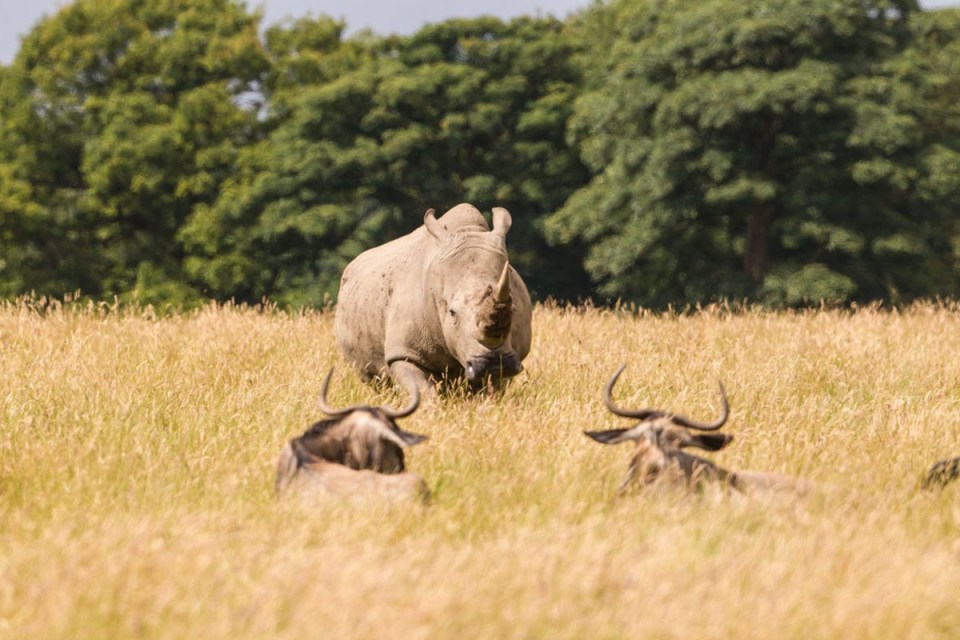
column 942, row 473
column 471, row 285
column 661, row 437
column 358, row 437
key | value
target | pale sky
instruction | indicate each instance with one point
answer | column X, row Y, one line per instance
column 383, row 16
column 17, row 17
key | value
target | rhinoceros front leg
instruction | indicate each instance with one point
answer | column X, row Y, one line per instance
column 409, row 376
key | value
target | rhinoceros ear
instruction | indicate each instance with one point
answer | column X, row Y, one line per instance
column 501, row 221
column 433, row 226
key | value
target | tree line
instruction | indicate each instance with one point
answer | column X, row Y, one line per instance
column 784, row 152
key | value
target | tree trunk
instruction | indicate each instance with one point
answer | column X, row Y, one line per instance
column 755, row 257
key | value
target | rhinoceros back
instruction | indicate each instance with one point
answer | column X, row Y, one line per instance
column 368, row 289
column 385, row 312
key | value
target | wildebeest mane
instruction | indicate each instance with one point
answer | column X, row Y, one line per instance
column 303, row 453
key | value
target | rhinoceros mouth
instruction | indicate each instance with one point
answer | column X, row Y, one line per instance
column 496, row 366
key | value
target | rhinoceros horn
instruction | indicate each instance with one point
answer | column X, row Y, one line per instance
column 503, row 285
column 495, row 312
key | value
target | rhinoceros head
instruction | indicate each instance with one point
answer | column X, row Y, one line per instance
column 470, row 283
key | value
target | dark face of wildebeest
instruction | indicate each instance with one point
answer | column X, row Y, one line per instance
column 360, row 437
column 661, row 438
column 942, row 473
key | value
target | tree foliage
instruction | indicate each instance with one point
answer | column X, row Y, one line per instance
column 379, row 131
column 119, row 116
column 659, row 152
column 784, row 150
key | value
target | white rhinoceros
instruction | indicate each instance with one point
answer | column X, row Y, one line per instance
column 441, row 301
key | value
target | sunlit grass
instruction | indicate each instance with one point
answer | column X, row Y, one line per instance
column 137, row 457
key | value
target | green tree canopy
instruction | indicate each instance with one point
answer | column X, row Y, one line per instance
column 785, row 150
column 658, row 152
column 380, row 130
column 120, row 116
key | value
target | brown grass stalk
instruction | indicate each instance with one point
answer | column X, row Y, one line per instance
column 137, row 453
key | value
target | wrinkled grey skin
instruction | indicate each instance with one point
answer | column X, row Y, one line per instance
column 421, row 306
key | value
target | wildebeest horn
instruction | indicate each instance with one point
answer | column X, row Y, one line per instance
column 327, row 409
column 390, row 413
column 503, row 286
column 647, row 414
column 407, row 410
column 433, row 227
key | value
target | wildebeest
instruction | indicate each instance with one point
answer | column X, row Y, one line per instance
column 942, row 473
column 357, row 452
column 661, row 438
column 441, row 300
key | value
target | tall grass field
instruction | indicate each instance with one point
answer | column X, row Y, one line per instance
column 137, row 457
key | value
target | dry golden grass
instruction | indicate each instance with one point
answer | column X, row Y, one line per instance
column 137, row 458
